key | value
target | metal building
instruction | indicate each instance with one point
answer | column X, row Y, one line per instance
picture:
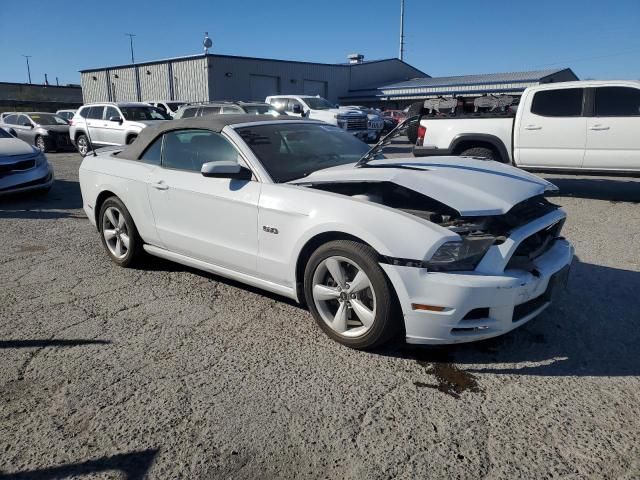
column 225, row 77
column 512, row 83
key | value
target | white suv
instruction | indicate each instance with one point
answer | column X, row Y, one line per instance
column 318, row 108
column 105, row 124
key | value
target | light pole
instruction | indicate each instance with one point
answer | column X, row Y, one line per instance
column 401, row 53
column 131, row 35
column 27, row 57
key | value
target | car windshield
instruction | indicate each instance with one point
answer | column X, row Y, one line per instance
column 318, row 103
column 261, row 110
column 294, row 150
column 174, row 105
column 47, row 119
column 142, row 113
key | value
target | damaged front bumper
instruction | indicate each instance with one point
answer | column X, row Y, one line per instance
column 478, row 305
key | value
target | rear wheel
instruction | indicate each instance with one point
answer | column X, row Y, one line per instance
column 412, row 130
column 119, row 235
column 349, row 295
column 82, row 143
column 479, row 152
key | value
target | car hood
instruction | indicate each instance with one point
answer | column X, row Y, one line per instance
column 12, row 147
column 472, row 187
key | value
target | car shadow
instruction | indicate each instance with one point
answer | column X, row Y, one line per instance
column 590, row 330
column 132, row 466
column 60, row 202
column 613, row 190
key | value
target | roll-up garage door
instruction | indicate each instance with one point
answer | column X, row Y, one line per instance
column 315, row 87
column 264, row 85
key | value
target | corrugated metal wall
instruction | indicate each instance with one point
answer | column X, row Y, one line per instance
column 190, row 80
column 123, row 85
column 154, row 82
column 94, row 86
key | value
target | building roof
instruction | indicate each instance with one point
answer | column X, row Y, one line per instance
column 481, row 79
column 215, row 55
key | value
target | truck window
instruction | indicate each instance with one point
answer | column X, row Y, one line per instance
column 617, row 102
column 564, row 102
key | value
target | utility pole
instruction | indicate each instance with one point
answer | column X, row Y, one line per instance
column 401, row 29
column 131, row 35
column 28, row 69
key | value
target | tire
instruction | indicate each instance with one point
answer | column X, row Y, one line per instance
column 412, row 130
column 114, row 231
column 83, row 145
column 40, row 143
column 131, row 139
column 359, row 315
column 481, row 152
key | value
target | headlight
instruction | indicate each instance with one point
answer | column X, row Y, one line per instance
column 41, row 160
column 458, row 256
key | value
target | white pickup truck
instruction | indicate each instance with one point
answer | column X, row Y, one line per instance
column 585, row 125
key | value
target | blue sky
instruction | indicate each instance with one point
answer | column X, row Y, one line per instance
column 596, row 39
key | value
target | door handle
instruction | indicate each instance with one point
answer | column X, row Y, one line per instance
column 599, row 127
column 533, row 127
column 160, row 186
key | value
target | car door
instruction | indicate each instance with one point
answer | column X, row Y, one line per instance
column 210, row 219
column 95, row 124
column 552, row 130
column 112, row 131
column 25, row 129
column 10, row 122
column 613, row 130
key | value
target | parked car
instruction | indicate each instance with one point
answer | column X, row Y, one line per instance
column 104, row 124
column 396, row 116
column 586, row 125
column 217, row 108
column 445, row 253
column 47, row 131
column 66, row 114
column 23, row 168
column 170, row 107
column 318, row 108
column 375, row 122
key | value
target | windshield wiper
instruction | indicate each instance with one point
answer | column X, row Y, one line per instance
column 397, row 131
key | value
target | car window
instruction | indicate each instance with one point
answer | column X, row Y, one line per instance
column 111, row 112
column 23, row 120
column 564, row 102
column 617, row 102
column 152, row 154
column 206, row 111
column 190, row 149
column 83, row 112
column 279, row 104
column 189, row 112
column 291, row 103
column 95, row 112
column 11, row 119
column 47, row 119
column 231, row 110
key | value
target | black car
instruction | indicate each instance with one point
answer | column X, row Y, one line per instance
column 47, row 131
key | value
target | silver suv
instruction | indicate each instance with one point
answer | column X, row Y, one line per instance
column 104, row 124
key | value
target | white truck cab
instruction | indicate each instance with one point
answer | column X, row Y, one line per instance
column 583, row 125
column 318, row 108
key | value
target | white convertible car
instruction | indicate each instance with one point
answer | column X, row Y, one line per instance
column 445, row 251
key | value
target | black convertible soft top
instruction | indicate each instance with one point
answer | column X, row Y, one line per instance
column 214, row 123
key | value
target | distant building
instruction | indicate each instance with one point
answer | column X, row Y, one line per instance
column 513, row 83
column 225, row 77
column 30, row 97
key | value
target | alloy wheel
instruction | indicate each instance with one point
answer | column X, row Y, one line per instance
column 115, row 232
column 83, row 146
column 41, row 144
column 344, row 296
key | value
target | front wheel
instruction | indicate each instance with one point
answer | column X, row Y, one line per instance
column 349, row 295
column 83, row 145
column 119, row 235
column 41, row 144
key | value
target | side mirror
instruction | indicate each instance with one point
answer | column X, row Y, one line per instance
column 115, row 119
column 297, row 108
column 225, row 169
column 27, row 124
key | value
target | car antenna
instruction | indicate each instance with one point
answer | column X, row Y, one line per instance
column 386, row 140
column 89, row 137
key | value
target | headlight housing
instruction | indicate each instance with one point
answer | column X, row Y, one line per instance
column 41, row 159
column 460, row 255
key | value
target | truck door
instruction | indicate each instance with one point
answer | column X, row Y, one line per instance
column 552, row 131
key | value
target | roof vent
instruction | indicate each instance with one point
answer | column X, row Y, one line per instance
column 355, row 58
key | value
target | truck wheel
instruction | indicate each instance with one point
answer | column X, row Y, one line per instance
column 415, row 109
column 480, row 152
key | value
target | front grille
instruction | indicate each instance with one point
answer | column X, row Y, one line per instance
column 537, row 244
column 62, row 140
column 355, row 123
column 17, row 166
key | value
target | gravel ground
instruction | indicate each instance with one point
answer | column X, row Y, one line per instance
column 165, row 372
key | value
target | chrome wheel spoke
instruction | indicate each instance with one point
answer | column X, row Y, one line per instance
column 125, row 240
column 339, row 323
column 324, row 293
column 111, row 217
column 120, row 220
column 109, row 234
column 118, row 248
column 365, row 315
column 359, row 282
column 335, row 269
